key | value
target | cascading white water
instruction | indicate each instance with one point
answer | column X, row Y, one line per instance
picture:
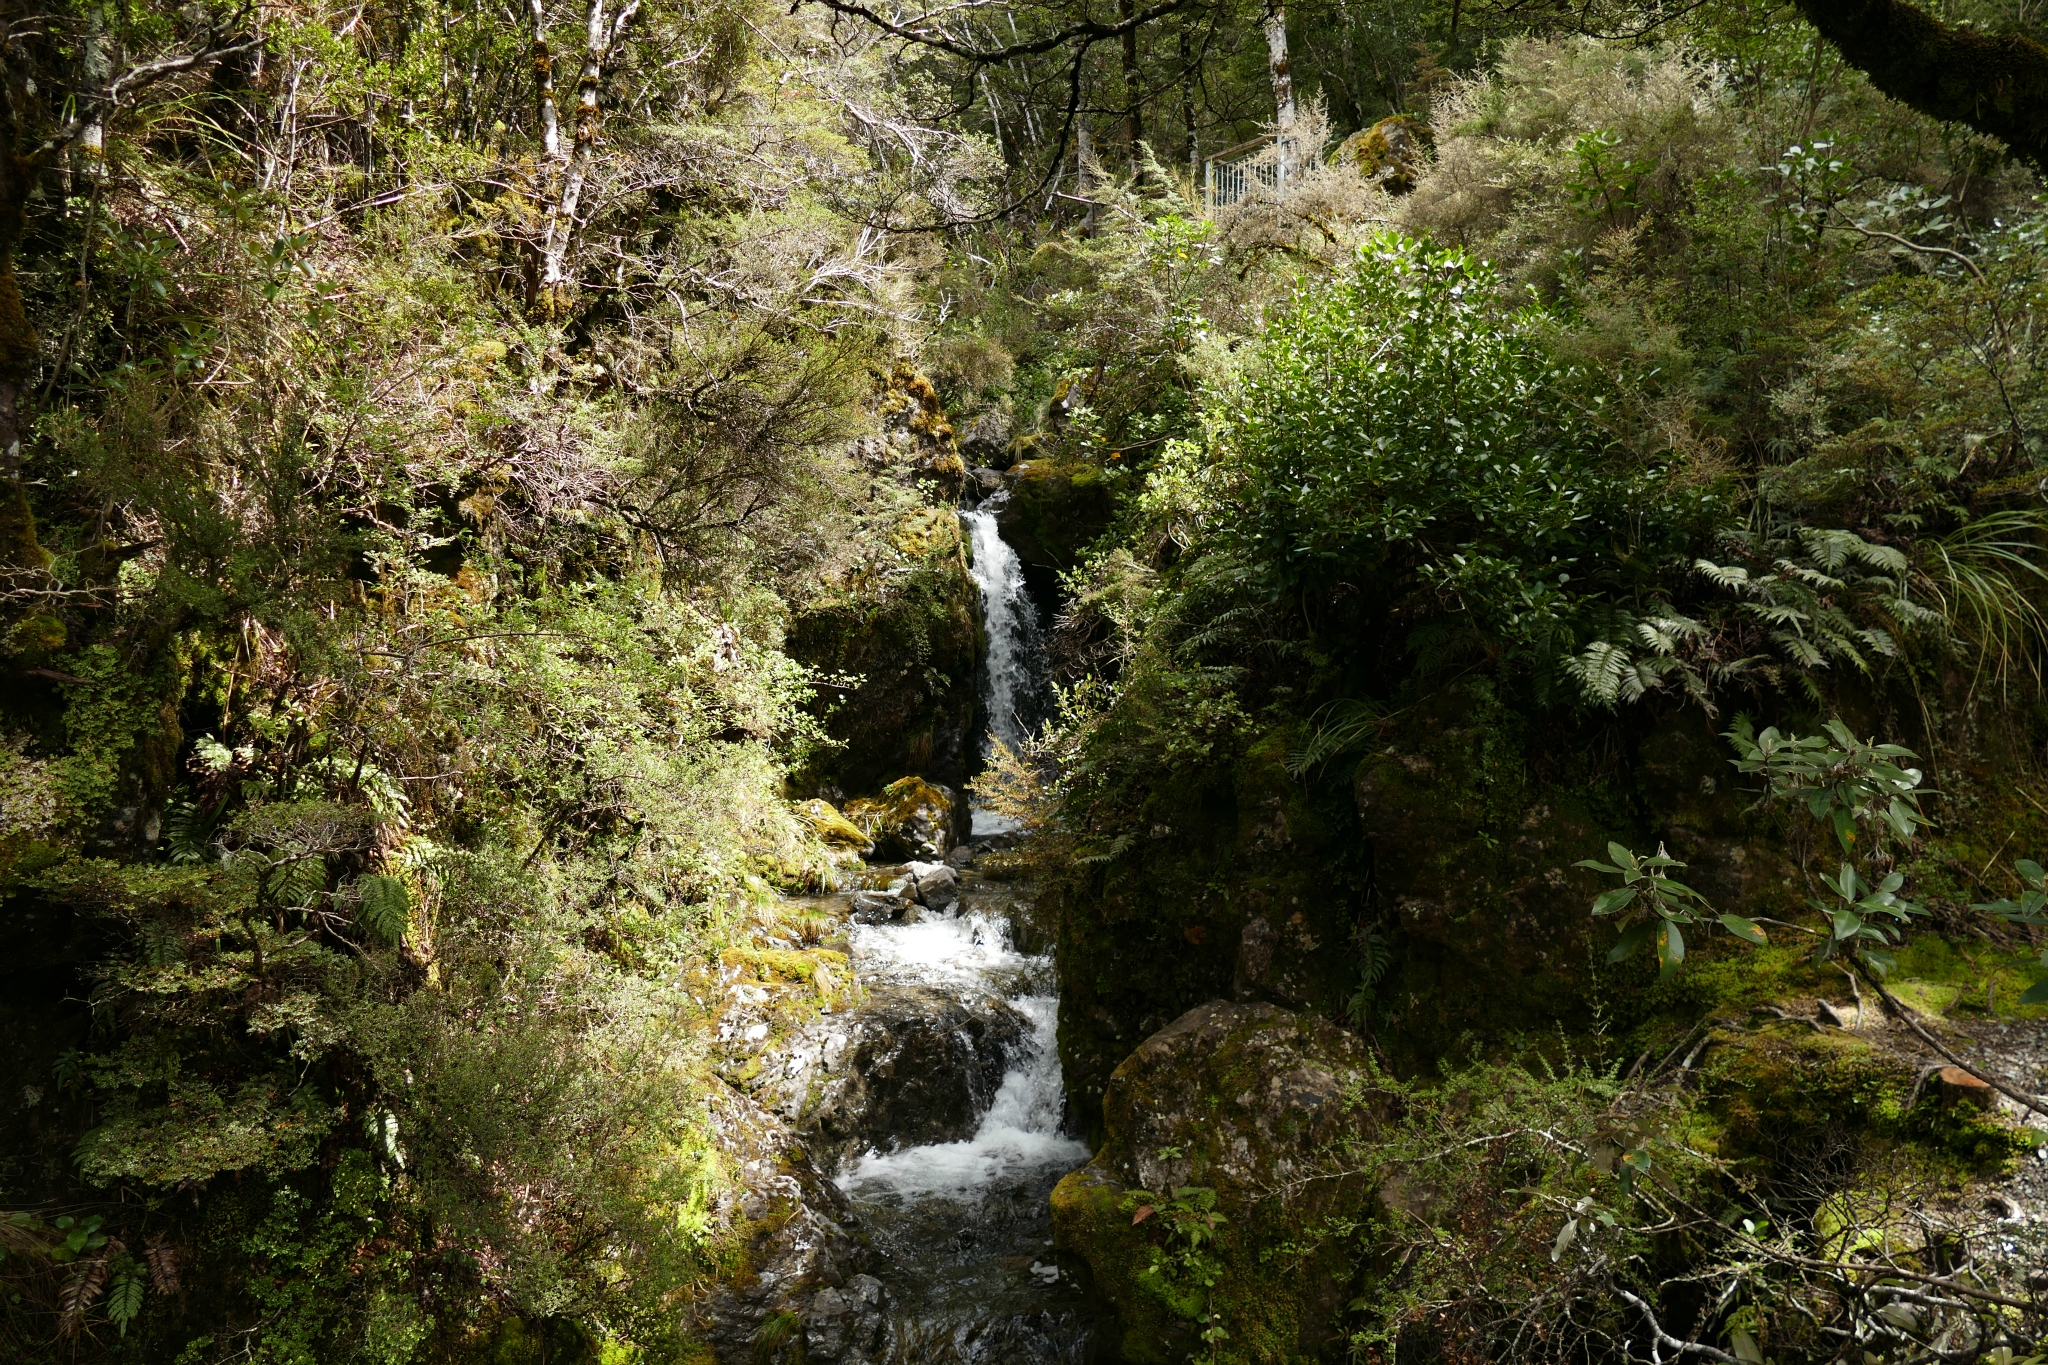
column 1020, row 1135
column 1014, row 678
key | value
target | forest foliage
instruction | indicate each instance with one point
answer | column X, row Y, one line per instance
column 418, row 462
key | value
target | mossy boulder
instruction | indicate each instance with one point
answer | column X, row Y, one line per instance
column 912, row 818
column 910, row 633
column 1392, row 152
column 846, row 843
column 1057, row 506
column 1242, row 883
column 1244, row 1099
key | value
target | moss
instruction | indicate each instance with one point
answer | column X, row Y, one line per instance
column 1090, row 1221
column 1394, row 151
column 1233, row 1099
column 1057, row 508
column 1784, row 1091
column 911, row 642
column 770, row 964
column 832, row 828
column 910, row 819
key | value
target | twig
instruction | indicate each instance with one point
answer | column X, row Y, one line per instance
column 1905, row 1016
column 1675, row 1343
column 1921, row 247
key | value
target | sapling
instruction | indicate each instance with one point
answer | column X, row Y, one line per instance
column 1861, row 792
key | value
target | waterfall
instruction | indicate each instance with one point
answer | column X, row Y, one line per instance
column 1013, row 683
column 1019, row 1139
column 966, row 1225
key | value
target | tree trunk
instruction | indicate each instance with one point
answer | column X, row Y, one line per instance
column 1994, row 83
column 1189, row 76
column 600, row 35
column 1084, row 174
column 1134, row 131
column 1278, row 65
column 544, row 81
column 97, row 68
column 1283, row 86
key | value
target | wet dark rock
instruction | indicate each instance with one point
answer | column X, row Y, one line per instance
column 846, row 1326
column 937, row 885
column 987, row 442
column 910, row 1065
column 874, row 907
column 1055, row 507
column 798, row 1235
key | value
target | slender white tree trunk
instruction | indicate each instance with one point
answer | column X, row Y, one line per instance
column 1084, row 165
column 90, row 152
column 1283, row 84
column 544, row 80
column 601, row 35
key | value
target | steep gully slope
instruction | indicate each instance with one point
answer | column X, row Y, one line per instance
column 912, row 1134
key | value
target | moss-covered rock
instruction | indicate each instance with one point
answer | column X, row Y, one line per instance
column 917, row 433
column 847, row 841
column 1242, row 884
column 1245, row 1100
column 910, row 633
column 1426, row 888
column 1791, row 1093
column 1392, row 152
column 1056, row 507
column 910, row 819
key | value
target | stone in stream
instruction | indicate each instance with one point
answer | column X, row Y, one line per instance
column 874, row 907
column 912, row 818
column 910, row 1065
column 937, row 886
column 804, row 1260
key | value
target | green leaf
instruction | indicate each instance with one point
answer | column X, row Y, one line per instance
column 1744, row 929
column 1607, row 902
column 2036, row 994
column 1671, row 948
column 384, row 908
column 124, row 1301
column 2030, row 872
column 1632, row 940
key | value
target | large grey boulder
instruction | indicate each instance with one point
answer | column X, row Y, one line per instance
column 1248, row 1100
column 987, row 442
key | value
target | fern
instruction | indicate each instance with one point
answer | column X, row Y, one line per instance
column 124, row 1299
column 383, row 909
column 1375, row 960
column 79, row 1294
column 187, row 832
column 1338, row 728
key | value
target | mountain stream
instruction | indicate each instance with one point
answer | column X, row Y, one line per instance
column 965, row 1226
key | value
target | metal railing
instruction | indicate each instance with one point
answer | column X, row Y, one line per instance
column 1230, row 175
